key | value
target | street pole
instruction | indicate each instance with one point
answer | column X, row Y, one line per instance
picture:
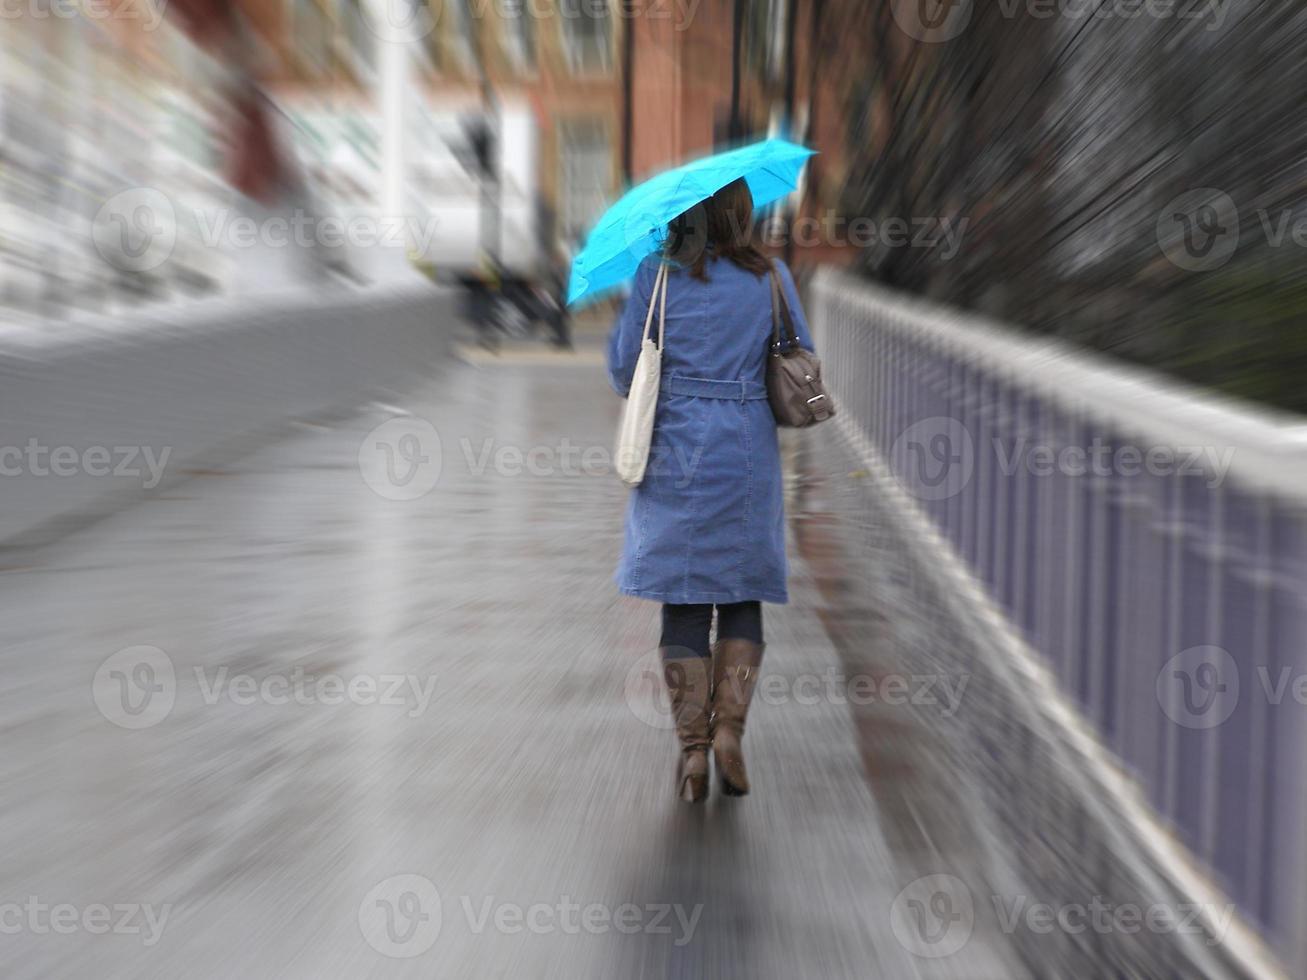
column 490, row 225
column 628, row 95
column 791, row 24
column 393, row 92
column 736, row 128
column 491, row 231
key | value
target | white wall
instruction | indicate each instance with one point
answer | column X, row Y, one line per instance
column 200, row 386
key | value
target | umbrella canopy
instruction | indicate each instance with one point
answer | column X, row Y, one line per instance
column 635, row 226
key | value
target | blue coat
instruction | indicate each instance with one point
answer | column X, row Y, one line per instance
column 708, row 522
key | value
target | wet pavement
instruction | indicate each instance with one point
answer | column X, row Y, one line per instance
column 366, row 703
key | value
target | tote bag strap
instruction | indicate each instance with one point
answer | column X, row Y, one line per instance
column 659, row 298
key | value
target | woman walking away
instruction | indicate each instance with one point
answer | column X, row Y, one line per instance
column 706, row 527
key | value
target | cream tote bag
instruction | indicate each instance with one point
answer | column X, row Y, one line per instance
column 635, row 432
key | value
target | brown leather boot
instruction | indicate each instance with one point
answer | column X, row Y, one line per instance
column 735, row 673
column 689, row 682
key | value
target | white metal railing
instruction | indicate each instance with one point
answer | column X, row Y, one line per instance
column 1148, row 541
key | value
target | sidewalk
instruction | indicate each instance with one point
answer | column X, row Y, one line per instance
column 539, row 774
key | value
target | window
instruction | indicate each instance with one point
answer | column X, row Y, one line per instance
column 462, row 36
column 519, row 34
column 587, row 34
column 312, row 35
column 362, row 40
column 586, row 173
column 764, row 38
column 431, row 48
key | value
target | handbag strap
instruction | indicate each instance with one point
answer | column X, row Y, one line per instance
column 780, row 312
column 659, row 298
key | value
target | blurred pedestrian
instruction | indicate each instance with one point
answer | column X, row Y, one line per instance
column 555, row 263
column 484, row 301
column 261, row 165
column 554, row 300
column 705, row 529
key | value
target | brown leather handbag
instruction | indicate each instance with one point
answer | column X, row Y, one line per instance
column 794, row 387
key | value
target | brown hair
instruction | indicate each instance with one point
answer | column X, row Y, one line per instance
column 720, row 226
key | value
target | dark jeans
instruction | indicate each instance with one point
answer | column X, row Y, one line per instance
column 687, row 627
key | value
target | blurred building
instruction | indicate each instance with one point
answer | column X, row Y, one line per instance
column 90, row 105
column 560, row 70
column 745, row 69
column 581, row 97
column 614, row 91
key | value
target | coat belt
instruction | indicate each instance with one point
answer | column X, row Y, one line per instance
column 675, row 384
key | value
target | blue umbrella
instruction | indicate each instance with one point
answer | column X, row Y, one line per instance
column 635, row 226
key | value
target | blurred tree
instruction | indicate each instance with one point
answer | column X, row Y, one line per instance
column 1066, row 142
